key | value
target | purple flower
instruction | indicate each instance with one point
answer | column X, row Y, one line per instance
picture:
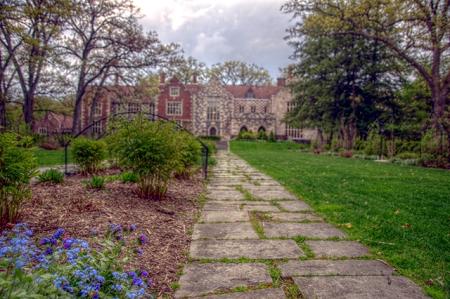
column 133, row 227
column 143, row 239
column 139, row 251
column 67, row 243
column 144, row 273
column 95, row 296
column 132, row 274
column 138, row 282
column 48, row 251
column 59, row 232
column 44, row 241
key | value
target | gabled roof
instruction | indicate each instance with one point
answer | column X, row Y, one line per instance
column 260, row 92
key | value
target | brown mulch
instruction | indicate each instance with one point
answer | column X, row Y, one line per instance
column 84, row 213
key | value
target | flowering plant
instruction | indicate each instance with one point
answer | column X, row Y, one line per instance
column 65, row 267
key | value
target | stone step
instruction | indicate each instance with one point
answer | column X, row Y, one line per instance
column 308, row 230
column 238, row 230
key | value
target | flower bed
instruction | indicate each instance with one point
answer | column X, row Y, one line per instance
column 161, row 226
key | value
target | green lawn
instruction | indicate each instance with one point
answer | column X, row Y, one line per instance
column 401, row 212
column 49, row 158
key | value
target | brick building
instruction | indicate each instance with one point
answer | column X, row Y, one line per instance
column 208, row 109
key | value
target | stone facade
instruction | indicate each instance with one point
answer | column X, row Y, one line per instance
column 209, row 109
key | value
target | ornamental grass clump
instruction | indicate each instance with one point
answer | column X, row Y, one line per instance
column 61, row 267
column 53, row 176
column 17, row 167
column 150, row 150
column 88, row 154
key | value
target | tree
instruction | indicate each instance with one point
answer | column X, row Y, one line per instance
column 186, row 68
column 103, row 43
column 343, row 84
column 28, row 29
column 240, row 73
column 416, row 31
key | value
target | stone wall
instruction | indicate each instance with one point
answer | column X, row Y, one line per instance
column 212, row 94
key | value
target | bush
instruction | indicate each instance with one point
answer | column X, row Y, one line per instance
column 149, row 149
column 262, row 135
column 129, row 177
column 190, row 154
column 25, row 141
column 88, row 154
column 346, row 154
column 213, row 138
column 96, row 182
column 51, row 176
column 272, row 137
column 212, row 147
column 17, row 167
column 246, row 135
column 407, row 156
column 50, row 146
column 57, row 267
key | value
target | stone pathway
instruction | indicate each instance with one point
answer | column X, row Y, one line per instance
column 256, row 240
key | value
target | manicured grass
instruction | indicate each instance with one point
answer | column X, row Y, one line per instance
column 48, row 158
column 401, row 212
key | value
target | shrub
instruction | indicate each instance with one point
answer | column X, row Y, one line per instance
column 149, row 149
column 17, row 167
column 346, row 154
column 212, row 148
column 129, row 177
column 52, row 176
column 262, row 135
column 88, row 154
column 272, row 137
column 407, row 156
column 25, row 141
column 213, row 138
column 246, row 135
column 96, row 182
column 190, row 154
column 50, row 146
column 66, row 268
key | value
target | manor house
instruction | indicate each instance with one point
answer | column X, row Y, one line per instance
column 208, row 109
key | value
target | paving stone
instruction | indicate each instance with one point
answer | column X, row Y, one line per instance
column 258, row 294
column 266, row 195
column 238, row 230
column 355, row 287
column 224, row 216
column 260, row 208
column 294, row 206
column 293, row 217
column 326, row 249
column 221, row 206
column 202, row 279
column 226, row 195
column 254, row 249
column 335, row 267
column 309, row 230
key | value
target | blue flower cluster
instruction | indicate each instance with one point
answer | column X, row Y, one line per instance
column 69, row 265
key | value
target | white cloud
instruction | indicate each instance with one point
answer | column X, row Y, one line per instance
column 214, row 30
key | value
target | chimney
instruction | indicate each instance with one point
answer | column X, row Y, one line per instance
column 162, row 77
column 194, row 78
column 281, row 82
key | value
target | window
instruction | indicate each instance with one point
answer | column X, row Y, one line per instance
column 253, row 109
column 115, row 107
column 265, row 109
column 241, row 109
column 174, row 91
column 174, row 108
column 212, row 113
column 42, row 130
column 133, row 107
column 249, row 94
column 97, row 109
column 151, row 108
column 291, row 106
column 97, row 127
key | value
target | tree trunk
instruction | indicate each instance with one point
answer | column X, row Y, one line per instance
column 28, row 107
column 2, row 114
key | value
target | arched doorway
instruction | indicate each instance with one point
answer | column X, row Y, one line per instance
column 212, row 131
column 261, row 129
column 243, row 129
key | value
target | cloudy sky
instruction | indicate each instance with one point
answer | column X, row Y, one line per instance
column 218, row 30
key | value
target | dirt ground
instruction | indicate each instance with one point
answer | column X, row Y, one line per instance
column 85, row 213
